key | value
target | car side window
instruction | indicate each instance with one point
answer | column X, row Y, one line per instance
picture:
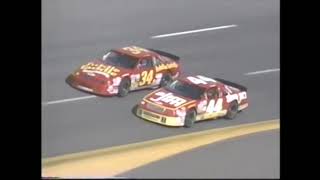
column 220, row 92
column 145, row 63
column 213, row 93
column 156, row 61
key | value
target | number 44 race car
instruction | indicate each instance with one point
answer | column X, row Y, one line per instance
column 193, row 98
column 125, row 69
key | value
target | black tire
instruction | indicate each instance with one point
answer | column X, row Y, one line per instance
column 134, row 109
column 124, row 87
column 190, row 119
column 232, row 111
column 165, row 80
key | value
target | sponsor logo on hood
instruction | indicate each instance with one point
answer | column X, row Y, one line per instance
column 168, row 98
column 102, row 69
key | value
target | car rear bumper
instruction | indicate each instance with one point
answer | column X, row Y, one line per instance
column 243, row 106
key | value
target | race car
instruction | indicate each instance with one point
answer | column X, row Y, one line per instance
column 193, row 98
column 126, row 69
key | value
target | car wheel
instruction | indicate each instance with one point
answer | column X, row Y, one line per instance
column 134, row 109
column 165, row 80
column 124, row 87
column 190, row 118
column 233, row 110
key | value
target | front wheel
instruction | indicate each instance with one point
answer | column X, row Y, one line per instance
column 190, row 118
column 124, row 88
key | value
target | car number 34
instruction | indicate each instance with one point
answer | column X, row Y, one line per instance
column 146, row 78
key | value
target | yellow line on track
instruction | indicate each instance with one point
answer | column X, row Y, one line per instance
column 112, row 161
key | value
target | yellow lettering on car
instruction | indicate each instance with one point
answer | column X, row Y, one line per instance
column 101, row 67
column 146, row 78
column 166, row 66
column 135, row 49
column 107, row 70
column 114, row 72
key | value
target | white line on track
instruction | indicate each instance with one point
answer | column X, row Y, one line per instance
column 93, row 96
column 192, row 31
column 68, row 100
column 262, row 72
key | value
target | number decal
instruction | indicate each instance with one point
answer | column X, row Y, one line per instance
column 146, row 78
column 196, row 80
column 200, row 79
column 135, row 49
column 214, row 106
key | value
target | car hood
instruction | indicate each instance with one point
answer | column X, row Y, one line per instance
column 101, row 70
column 167, row 99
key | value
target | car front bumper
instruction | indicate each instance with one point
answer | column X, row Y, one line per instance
column 159, row 118
column 83, row 87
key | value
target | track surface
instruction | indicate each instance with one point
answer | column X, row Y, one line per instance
column 252, row 156
column 75, row 31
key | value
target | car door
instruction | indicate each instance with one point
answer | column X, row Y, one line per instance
column 147, row 73
column 216, row 101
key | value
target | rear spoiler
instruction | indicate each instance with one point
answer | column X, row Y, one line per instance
column 169, row 55
column 238, row 86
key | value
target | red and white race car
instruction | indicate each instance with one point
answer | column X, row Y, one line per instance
column 125, row 69
column 193, row 98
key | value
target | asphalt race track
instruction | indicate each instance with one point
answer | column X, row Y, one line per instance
column 75, row 31
column 241, row 157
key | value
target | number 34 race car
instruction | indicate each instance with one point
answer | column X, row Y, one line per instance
column 193, row 98
column 126, row 69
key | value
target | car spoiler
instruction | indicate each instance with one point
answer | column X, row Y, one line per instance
column 238, row 86
column 169, row 55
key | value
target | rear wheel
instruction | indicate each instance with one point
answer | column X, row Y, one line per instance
column 233, row 110
column 190, row 118
column 165, row 80
column 124, row 87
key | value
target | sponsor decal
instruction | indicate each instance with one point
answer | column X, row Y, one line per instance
column 168, row 98
column 242, row 95
column 100, row 69
column 239, row 97
column 134, row 80
column 116, row 81
column 166, row 66
column 232, row 97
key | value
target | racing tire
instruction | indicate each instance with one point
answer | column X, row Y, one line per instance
column 190, row 119
column 124, row 87
column 232, row 110
column 135, row 109
column 165, row 80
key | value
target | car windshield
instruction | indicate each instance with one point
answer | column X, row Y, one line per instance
column 120, row 60
column 185, row 89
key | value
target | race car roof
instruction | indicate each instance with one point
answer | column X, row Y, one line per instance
column 204, row 84
column 135, row 51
